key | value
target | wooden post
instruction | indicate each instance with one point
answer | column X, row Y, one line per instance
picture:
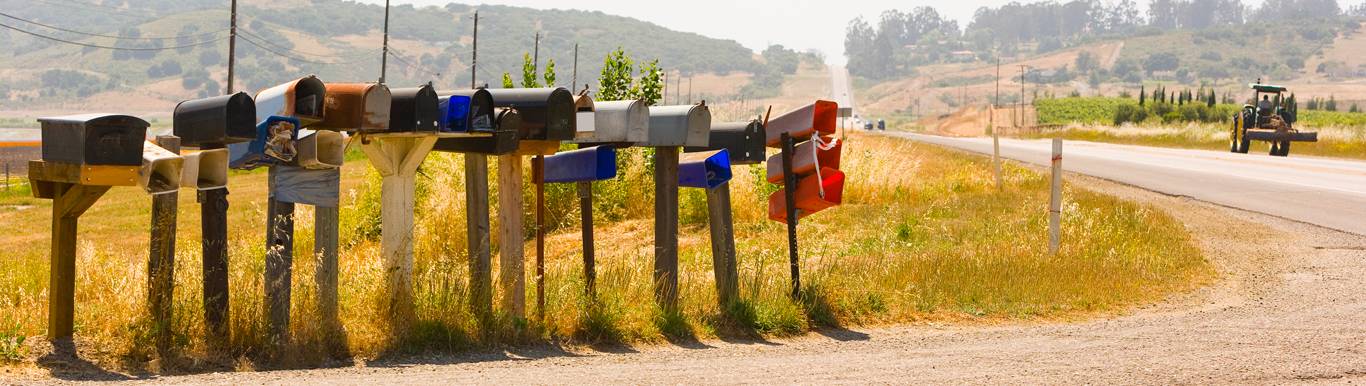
column 995, row 148
column 511, row 274
column 213, row 214
column 325, row 244
column 789, row 189
column 161, row 257
column 538, row 175
column 722, row 243
column 1055, row 199
column 397, row 160
column 69, row 202
column 477, row 232
column 279, row 275
column 666, row 226
column 585, row 189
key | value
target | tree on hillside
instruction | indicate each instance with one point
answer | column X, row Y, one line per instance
column 529, row 72
column 1161, row 61
column 614, row 83
column 550, row 73
column 1142, row 95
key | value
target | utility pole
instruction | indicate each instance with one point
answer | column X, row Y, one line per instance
column 574, row 80
column 384, row 59
column 536, row 56
column 232, row 45
column 690, row 89
column 1023, row 69
column 474, row 60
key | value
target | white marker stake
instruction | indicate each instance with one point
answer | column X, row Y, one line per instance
column 1055, row 203
column 995, row 147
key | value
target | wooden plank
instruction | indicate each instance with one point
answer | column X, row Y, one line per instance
column 722, row 243
column 279, row 275
column 585, row 189
column 511, row 273
column 161, row 257
column 426, row 134
column 213, row 214
column 103, row 175
column 396, row 244
column 477, row 231
column 62, row 275
column 666, row 226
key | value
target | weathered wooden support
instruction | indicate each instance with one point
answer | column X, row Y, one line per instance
column 1055, row 199
column 722, row 242
column 325, row 244
column 397, row 158
column 538, row 177
column 477, row 232
column 70, row 201
column 666, row 226
column 161, row 257
column 213, row 215
column 278, row 275
column 790, row 188
column 511, row 274
column 585, row 189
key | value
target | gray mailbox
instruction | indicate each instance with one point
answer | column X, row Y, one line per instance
column 744, row 141
column 503, row 141
column 547, row 113
column 680, row 125
column 94, row 139
column 617, row 121
column 362, row 107
column 300, row 98
column 217, row 120
column 414, row 109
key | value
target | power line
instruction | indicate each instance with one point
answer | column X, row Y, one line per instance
column 117, row 11
column 263, row 46
column 110, row 36
column 111, row 47
column 396, row 55
column 267, row 41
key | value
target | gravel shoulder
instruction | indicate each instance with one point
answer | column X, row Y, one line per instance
column 1287, row 307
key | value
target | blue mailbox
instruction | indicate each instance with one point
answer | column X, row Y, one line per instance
column 274, row 144
column 588, row 164
column 705, row 169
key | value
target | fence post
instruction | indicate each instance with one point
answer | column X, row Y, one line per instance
column 666, row 226
column 213, row 214
column 511, row 274
column 995, row 149
column 161, row 259
column 538, row 177
column 789, row 194
column 278, row 275
column 722, row 243
column 1055, row 201
column 477, row 233
column 585, row 189
column 325, row 243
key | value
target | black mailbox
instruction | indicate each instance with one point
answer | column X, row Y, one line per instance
column 94, row 139
column 414, row 109
column 503, row 141
column 743, row 140
column 547, row 113
column 478, row 117
column 218, row 120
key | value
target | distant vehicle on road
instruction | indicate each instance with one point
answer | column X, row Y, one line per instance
column 1271, row 119
column 882, row 125
column 868, row 125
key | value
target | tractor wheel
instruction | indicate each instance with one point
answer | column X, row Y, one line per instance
column 1243, row 142
column 1233, row 138
column 1284, row 149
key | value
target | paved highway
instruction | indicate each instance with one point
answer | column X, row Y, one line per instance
column 1326, row 192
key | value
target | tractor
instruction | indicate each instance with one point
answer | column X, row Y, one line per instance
column 1268, row 118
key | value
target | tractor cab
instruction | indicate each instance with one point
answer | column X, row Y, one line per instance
column 1267, row 102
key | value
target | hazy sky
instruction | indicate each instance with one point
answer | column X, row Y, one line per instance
column 798, row 24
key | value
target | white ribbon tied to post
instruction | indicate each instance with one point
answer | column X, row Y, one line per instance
column 820, row 145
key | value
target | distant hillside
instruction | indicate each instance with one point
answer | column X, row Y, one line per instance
column 338, row 40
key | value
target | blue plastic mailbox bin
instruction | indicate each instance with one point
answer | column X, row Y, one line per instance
column 706, row 169
column 588, row 164
column 455, row 111
column 253, row 154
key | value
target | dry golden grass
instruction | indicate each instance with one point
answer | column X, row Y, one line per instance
column 923, row 235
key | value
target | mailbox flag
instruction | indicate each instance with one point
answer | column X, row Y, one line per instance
column 589, row 164
column 707, row 169
column 827, row 155
column 819, row 117
column 814, row 193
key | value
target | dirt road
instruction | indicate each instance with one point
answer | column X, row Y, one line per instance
column 1288, row 307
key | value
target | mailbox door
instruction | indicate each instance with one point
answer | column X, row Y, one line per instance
column 808, row 196
column 414, row 109
column 94, row 139
column 217, row 120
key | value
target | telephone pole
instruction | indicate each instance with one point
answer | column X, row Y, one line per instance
column 474, row 60
column 574, row 80
column 384, row 58
column 1023, row 69
column 536, row 57
column 232, row 45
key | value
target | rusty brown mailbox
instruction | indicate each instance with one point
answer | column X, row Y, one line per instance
column 547, row 113
column 414, row 109
column 503, row 141
column 93, row 139
column 361, row 107
column 744, row 141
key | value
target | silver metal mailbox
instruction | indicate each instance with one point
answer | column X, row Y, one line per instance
column 680, row 125
column 617, row 121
